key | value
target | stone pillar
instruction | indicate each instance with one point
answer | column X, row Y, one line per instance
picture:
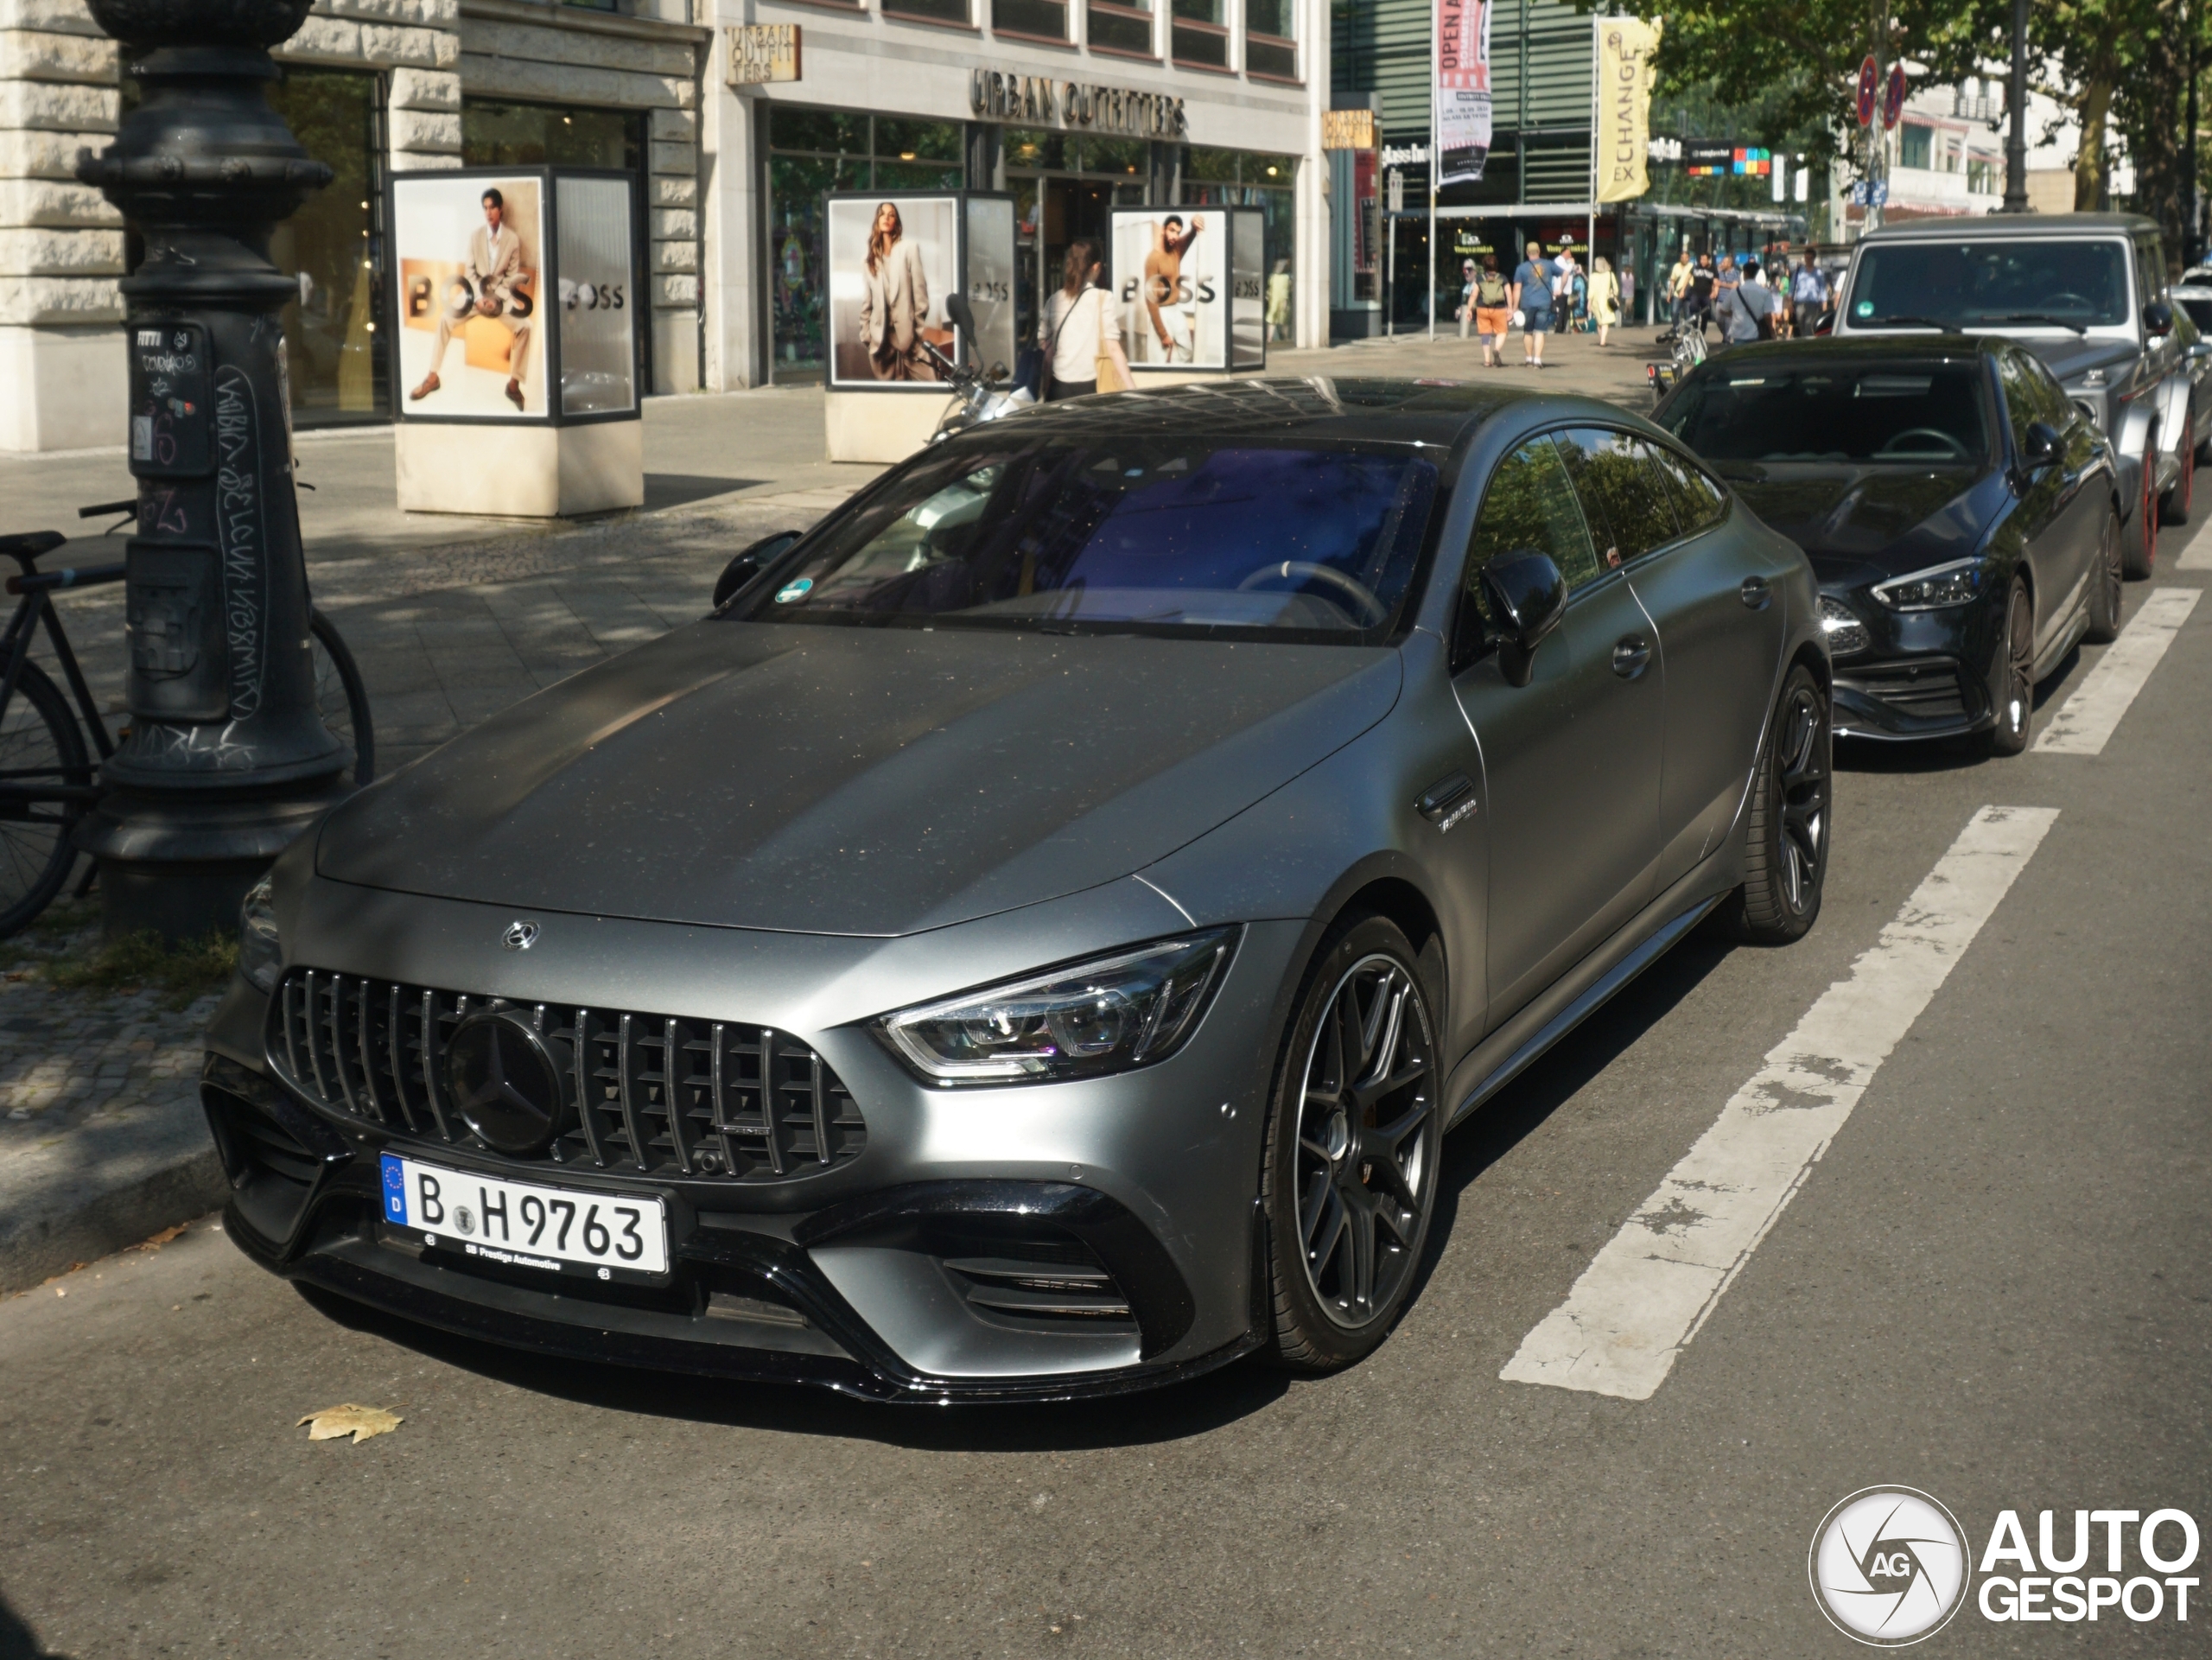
column 673, row 266
column 732, row 217
column 60, row 244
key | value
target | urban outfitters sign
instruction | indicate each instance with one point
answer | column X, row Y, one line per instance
column 993, row 96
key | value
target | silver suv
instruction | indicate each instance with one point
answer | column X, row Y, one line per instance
column 2087, row 294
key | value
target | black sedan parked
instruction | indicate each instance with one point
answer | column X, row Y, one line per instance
column 1962, row 516
column 1032, row 939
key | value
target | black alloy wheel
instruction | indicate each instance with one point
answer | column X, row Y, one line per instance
column 2174, row 506
column 2106, row 584
column 1353, row 1144
column 1791, row 823
column 2013, row 690
column 2143, row 546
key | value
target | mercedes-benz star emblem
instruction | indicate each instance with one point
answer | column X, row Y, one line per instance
column 520, row 935
column 504, row 1082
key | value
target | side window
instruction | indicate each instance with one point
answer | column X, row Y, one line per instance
column 1620, row 485
column 1528, row 506
column 2022, row 396
column 1700, row 503
column 2150, row 270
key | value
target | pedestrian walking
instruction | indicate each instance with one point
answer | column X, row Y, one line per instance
column 1278, row 302
column 1493, row 310
column 1703, row 279
column 1809, row 291
column 1466, row 309
column 1532, row 281
column 1604, row 297
column 1679, row 293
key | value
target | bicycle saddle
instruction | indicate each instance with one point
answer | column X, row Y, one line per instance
column 30, row 544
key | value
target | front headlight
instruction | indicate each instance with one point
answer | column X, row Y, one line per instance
column 1107, row 1015
column 1956, row 583
column 261, row 952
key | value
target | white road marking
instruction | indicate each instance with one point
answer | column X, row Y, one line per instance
column 2085, row 722
column 2197, row 555
column 1639, row 1304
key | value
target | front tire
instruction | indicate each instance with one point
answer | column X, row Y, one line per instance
column 2105, row 581
column 2013, row 690
column 1354, row 1139
column 2143, row 545
column 1789, row 826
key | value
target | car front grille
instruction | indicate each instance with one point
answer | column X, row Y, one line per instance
column 1927, row 691
column 651, row 1093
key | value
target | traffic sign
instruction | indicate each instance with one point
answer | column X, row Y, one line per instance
column 1870, row 79
column 1893, row 97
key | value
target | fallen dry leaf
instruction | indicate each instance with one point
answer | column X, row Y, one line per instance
column 360, row 1422
column 157, row 1241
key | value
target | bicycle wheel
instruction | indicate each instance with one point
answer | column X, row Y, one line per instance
column 341, row 697
column 42, row 746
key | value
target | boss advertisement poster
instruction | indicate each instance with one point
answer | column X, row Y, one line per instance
column 894, row 259
column 1463, row 128
column 471, row 251
column 1171, row 279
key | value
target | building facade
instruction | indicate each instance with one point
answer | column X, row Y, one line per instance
column 1946, row 155
column 1072, row 106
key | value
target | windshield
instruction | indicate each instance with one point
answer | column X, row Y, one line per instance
column 1123, row 535
column 1975, row 284
column 1902, row 413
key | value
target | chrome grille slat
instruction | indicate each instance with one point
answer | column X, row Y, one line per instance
column 762, row 1107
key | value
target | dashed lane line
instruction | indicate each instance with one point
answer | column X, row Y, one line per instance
column 1640, row 1301
column 2086, row 721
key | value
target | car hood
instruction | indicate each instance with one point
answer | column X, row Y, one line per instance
column 2068, row 355
column 855, row 780
column 1891, row 518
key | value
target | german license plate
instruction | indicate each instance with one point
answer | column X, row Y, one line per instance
column 525, row 1224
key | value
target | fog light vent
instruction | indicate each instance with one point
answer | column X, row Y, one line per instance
column 1845, row 632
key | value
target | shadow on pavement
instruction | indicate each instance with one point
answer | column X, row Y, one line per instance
column 1193, row 1409
column 18, row 1641
column 675, row 489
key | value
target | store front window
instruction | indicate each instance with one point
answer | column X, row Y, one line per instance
column 812, row 153
column 1249, row 178
column 333, row 356
column 1065, row 185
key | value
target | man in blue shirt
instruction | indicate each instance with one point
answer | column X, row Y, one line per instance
column 1739, row 305
column 1532, row 293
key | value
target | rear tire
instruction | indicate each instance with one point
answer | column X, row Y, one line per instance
column 2143, row 545
column 1789, row 827
column 40, row 743
column 2013, row 692
column 2104, row 582
column 1354, row 1139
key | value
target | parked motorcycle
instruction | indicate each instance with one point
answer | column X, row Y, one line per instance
column 983, row 394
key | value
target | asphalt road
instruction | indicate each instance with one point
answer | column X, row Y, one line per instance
column 1996, row 1286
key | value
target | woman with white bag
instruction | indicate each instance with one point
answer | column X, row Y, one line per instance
column 1082, row 334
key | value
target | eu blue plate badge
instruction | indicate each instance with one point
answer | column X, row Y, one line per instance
column 395, row 1190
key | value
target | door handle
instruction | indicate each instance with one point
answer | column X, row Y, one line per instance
column 1630, row 654
column 1447, row 801
column 1755, row 593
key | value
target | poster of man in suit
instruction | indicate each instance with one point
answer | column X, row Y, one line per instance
column 893, row 262
column 470, row 255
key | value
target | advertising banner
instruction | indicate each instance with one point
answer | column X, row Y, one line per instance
column 990, row 278
column 1462, row 89
column 1626, row 48
column 593, row 271
column 470, row 251
column 1171, row 273
column 893, row 258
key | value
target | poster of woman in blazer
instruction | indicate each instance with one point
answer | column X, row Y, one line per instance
column 890, row 268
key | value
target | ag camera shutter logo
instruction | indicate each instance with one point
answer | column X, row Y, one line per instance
column 1888, row 1565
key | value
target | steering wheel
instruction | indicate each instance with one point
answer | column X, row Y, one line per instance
column 1953, row 450
column 1356, row 591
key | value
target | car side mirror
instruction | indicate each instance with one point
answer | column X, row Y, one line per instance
column 1528, row 597
column 2157, row 319
column 750, row 563
column 2041, row 444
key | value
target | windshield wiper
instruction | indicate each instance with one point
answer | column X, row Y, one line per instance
column 1902, row 321
column 2039, row 317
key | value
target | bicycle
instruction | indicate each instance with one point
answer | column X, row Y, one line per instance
column 48, row 774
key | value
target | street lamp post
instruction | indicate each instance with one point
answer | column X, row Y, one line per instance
column 2016, row 142
column 226, row 758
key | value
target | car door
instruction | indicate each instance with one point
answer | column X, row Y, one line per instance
column 1571, row 761
column 2057, row 561
column 1712, row 592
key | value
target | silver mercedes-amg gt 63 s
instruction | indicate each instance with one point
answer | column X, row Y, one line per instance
column 1032, row 939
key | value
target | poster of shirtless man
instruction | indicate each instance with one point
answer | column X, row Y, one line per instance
column 1168, row 272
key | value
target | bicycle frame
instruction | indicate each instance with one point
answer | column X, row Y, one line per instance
column 33, row 609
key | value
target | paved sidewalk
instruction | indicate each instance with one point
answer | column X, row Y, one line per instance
column 102, row 1141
